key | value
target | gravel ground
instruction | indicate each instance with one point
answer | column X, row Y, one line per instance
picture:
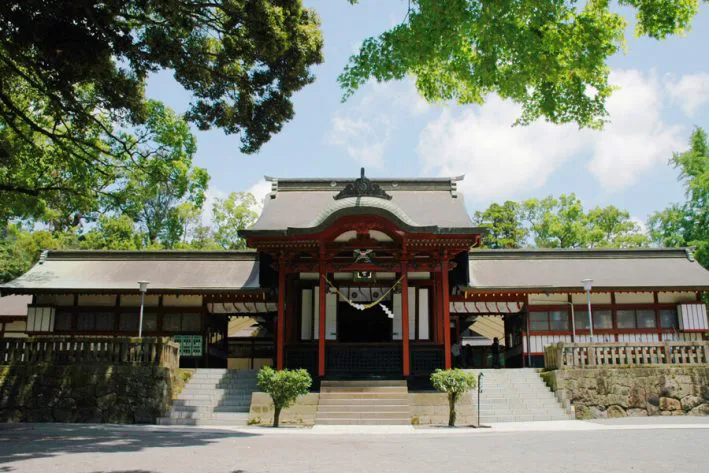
column 52, row 448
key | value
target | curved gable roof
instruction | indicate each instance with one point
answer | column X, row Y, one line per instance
column 307, row 205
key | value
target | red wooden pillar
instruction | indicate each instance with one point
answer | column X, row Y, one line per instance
column 281, row 325
column 405, row 317
column 321, row 327
column 446, row 311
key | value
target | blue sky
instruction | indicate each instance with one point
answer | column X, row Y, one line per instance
column 389, row 130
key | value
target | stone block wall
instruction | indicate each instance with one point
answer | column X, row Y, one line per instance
column 432, row 408
column 99, row 393
column 633, row 391
column 303, row 412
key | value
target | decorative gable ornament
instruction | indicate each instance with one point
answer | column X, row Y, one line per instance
column 362, row 187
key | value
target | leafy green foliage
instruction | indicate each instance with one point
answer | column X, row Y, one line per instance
column 454, row 383
column 162, row 179
column 550, row 56
column 558, row 223
column 284, row 387
column 240, row 59
column 687, row 224
column 504, row 225
column 230, row 215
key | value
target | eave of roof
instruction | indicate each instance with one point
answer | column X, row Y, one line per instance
column 579, row 253
column 556, row 270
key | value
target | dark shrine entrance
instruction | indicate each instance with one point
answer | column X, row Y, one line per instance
column 362, row 326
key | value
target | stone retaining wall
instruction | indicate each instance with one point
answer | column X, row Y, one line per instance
column 632, row 391
column 432, row 408
column 303, row 412
column 45, row 392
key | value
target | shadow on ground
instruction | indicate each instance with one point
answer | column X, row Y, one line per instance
column 20, row 442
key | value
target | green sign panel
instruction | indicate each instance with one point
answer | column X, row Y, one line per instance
column 190, row 345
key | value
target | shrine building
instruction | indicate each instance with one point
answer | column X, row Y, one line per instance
column 360, row 278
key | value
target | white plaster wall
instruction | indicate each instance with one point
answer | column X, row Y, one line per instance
column 634, row 298
column 675, row 297
column 182, row 301
column 596, row 298
column 134, row 300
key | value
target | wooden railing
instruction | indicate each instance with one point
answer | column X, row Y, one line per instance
column 590, row 355
column 148, row 351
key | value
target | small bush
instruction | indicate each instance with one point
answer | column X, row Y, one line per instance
column 284, row 387
column 455, row 383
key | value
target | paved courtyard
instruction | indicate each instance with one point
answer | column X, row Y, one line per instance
column 572, row 447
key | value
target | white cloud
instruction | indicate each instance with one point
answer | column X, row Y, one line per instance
column 691, row 91
column 210, row 198
column 260, row 191
column 363, row 139
column 364, row 126
column 642, row 224
column 500, row 160
column 637, row 138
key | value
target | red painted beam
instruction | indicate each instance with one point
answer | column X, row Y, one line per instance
column 446, row 314
column 405, row 318
column 321, row 340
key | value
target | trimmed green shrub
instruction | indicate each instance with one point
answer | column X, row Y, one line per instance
column 455, row 383
column 284, row 387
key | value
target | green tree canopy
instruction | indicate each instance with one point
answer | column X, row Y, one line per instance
column 234, row 213
column 558, row 223
column 550, row 56
column 162, row 177
column 504, row 224
column 284, row 387
column 241, row 60
column 687, row 224
column 454, row 383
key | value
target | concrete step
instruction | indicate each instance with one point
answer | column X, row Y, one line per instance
column 363, row 421
column 404, row 408
column 364, row 395
column 327, row 401
column 365, row 389
column 364, row 383
column 364, row 415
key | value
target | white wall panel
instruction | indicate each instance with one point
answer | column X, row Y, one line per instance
column 316, row 313
column 693, row 317
column 330, row 316
column 423, row 314
column 412, row 313
column 396, row 325
column 40, row 319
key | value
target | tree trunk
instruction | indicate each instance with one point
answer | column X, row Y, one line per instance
column 451, row 410
column 276, row 416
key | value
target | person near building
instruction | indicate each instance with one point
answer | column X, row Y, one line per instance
column 495, row 349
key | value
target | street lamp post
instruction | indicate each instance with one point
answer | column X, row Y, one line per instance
column 587, row 285
column 143, row 288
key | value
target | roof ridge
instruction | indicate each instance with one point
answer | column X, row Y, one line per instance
column 584, row 252
column 149, row 254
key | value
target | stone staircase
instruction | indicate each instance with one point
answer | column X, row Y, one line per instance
column 516, row 395
column 213, row 397
column 377, row 402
